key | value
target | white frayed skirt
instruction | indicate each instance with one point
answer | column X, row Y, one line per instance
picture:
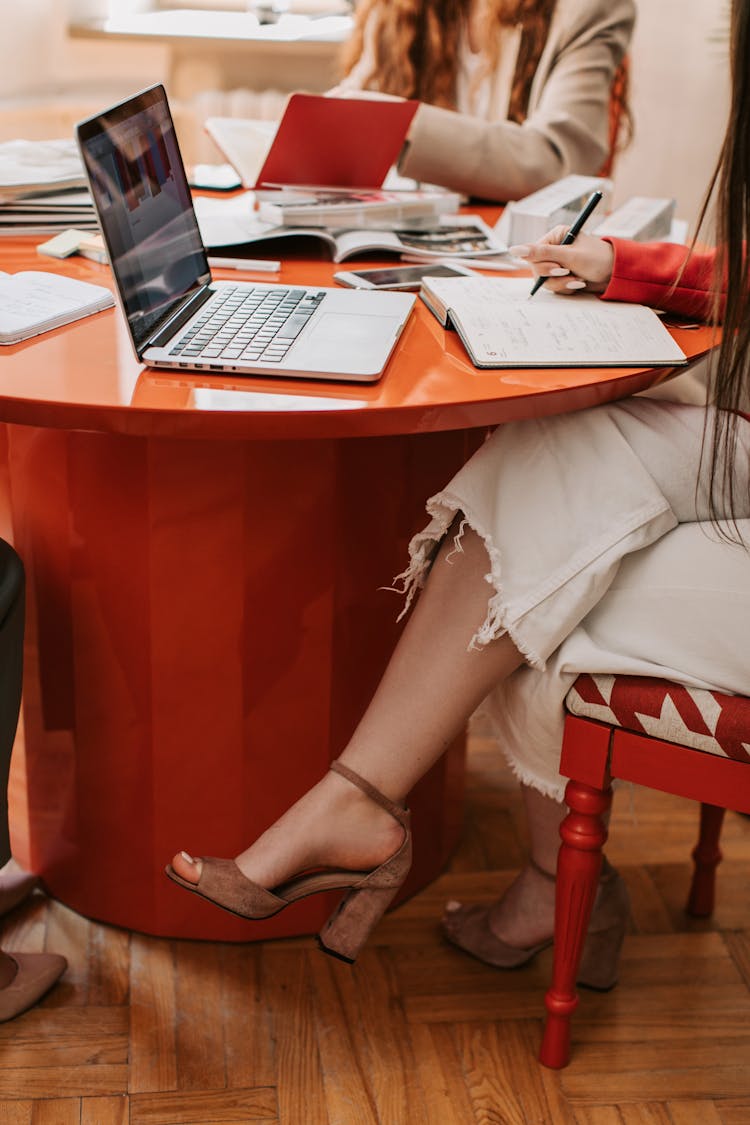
column 601, row 559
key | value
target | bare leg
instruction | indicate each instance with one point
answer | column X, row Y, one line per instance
column 525, row 915
column 431, row 686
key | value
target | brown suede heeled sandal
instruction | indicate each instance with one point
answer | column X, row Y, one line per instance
column 468, row 927
column 35, row 975
column 369, row 892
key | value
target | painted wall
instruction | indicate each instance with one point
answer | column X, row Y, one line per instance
column 680, row 83
column 680, row 99
column 38, row 58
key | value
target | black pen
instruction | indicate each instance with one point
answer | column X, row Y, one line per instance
column 573, row 233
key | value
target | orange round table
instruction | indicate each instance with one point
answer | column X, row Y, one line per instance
column 206, row 617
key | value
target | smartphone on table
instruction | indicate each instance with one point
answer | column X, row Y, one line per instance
column 400, row 277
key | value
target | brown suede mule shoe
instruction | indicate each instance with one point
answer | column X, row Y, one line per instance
column 468, row 927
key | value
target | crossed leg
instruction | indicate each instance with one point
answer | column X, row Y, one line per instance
column 433, row 683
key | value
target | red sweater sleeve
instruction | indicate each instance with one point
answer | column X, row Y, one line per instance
column 646, row 272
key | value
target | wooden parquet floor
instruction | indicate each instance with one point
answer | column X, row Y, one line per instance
column 154, row 1032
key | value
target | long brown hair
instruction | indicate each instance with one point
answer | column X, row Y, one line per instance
column 416, row 46
column 730, row 376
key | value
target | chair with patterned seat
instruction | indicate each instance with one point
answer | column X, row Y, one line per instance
column 689, row 742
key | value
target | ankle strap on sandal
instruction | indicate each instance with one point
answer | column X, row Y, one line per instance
column 396, row 811
column 550, row 875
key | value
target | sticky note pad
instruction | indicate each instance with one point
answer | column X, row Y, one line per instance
column 63, row 244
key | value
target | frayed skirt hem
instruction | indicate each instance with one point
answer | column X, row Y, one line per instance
column 422, row 549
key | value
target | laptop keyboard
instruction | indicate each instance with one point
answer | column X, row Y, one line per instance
column 248, row 324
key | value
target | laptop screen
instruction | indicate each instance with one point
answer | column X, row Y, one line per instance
column 146, row 213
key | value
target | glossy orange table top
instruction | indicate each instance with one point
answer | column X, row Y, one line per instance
column 85, row 376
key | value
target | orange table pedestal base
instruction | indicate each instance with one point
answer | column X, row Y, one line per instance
column 204, row 628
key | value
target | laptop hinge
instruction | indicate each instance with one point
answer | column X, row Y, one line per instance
column 182, row 316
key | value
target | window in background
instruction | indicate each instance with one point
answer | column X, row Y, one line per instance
column 298, row 7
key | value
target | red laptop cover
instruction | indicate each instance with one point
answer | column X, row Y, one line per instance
column 336, row 142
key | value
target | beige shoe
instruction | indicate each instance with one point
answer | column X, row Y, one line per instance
column 347, row 930
column 35, row 975
column 468, row 927
column 609, row 921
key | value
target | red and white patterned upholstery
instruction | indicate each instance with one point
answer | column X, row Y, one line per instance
column 703, row 720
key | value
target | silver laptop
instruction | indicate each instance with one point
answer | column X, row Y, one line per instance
column 177, row 315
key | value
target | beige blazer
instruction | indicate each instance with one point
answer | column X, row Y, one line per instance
column 567, row 127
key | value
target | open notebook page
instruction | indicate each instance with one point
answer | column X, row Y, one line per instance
column 502, row 326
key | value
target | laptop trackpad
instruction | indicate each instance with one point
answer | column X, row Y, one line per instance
column 350, row 343
column 342, row 329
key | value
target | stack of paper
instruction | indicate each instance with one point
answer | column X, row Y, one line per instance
column 43, row 188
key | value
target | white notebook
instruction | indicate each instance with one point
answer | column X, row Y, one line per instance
column 501, row 326
column 36, row 301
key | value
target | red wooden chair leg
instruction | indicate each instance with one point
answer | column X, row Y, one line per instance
column 706, row 858
column 579, row 864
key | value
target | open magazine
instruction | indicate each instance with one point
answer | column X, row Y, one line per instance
column 229, row 227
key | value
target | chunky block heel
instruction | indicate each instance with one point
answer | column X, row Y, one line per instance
column 609, row 921
column 354, row 919
column 356, row 916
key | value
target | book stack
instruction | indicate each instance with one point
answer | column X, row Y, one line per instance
column 43, row 188
column 339, row 208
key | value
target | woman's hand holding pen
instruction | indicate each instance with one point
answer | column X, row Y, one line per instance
column 586, row 265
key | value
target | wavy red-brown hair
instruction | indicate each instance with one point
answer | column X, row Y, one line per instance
column 416, row 46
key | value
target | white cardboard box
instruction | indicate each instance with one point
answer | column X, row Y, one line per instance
column 557, row 204
column 641, row 218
